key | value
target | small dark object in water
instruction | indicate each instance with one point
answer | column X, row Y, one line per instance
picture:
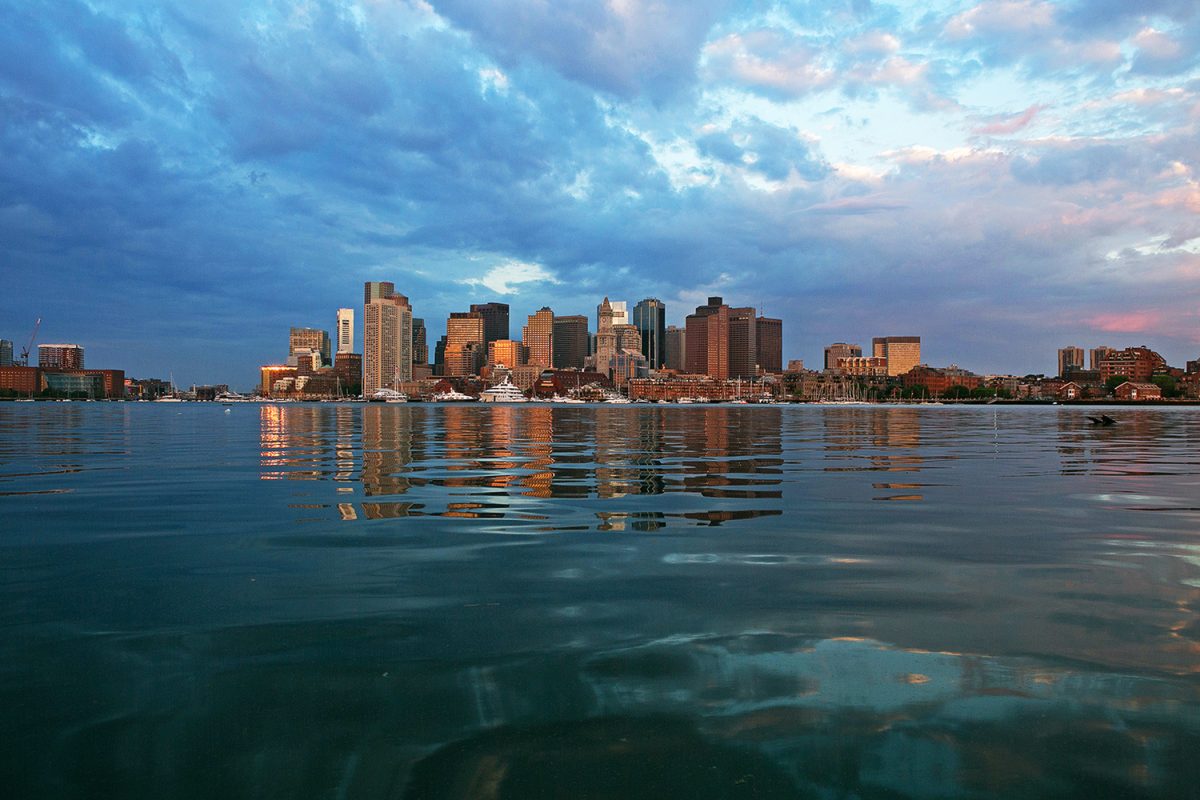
column 1103, row 419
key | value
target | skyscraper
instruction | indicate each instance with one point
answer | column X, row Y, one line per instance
column 387, row 337
column 6, row 353
column 570, row 341
column 345, row 330
column 676, row 348
column 538, row 338
column 313, row 340
column 743, row 343
column 650, row 317
column 902, row 352
column 770, row 344
column 707, row 340
column 420, row 342
column 495, row 320
column 841, row 350
column 465, row 350
column 1069, row 358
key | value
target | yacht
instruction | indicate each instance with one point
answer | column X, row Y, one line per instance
column 451, row 396
column 386, row 395
column 503, row 392
column 558, row 398
column 614, row 397
column 233, row 397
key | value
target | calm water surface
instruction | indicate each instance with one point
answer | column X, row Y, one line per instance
column 506, row 602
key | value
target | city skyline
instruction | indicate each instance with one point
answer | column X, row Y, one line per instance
column 1002, row 177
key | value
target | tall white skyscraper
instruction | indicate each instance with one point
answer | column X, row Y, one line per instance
column 345, row 330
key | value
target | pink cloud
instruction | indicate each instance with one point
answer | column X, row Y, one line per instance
column 1003, row 124
column 1131, row 322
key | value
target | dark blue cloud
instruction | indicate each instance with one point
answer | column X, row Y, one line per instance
column 202, row 177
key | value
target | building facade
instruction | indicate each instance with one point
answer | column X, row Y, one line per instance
column 606, row 340
column 743, row 343
column 387, row 338
column 6, row 353
column 1098, row 354
column 840, row 350
column 650, row 317
column 1069, row 359
column 465, row 349
column 902, row 352
column 676, row 348
column 570, row 341
column 345, row 330
column 60, row 356
column 420, row 345
column 1136, row 364
column 769, row 340
column 707, row 340
column 508, row 352
column 495, row 321
column 313, row 340
column 538, row 338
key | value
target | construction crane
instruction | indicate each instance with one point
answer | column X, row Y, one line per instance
column 29, row 346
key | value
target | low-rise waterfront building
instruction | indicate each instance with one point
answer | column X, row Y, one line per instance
column 1138, row 390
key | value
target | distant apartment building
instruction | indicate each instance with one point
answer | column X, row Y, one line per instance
column 1069, row 359
column 1098, row 354
column 6, row 353
column 676, row 348
column 840, row 350
column 538, row 338
column 795, row 365
column 313, row 340
column 60, row 356
column 570, row 341
column 345, row 330
column 495, row 321
column 902, row 352
column 629, row 339
column 650, row 317
column 387, row 337
column 1133, row 363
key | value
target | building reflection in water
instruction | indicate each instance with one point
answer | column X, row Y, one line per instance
column 495, row 462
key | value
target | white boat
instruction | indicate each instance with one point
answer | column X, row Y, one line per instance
column 503, row 392
column 451, row 397
column 558, row 398
column 233, row 397
column 386, row 395
column 168, row 398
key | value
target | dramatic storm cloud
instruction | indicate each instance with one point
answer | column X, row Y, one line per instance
column 182, row 182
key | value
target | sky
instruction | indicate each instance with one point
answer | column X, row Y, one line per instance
column 181, row 182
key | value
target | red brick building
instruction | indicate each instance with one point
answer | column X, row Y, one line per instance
column 1136, row 364
column 22, row 380
column 937, row 381
column 1132, row 390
